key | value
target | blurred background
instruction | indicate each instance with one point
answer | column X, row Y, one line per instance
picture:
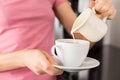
column 107, row 51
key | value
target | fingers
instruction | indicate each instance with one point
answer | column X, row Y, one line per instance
column 104, row 8
column 103, row 5
column 40, row 62
column 52, row 70
column 112, row 13
column 51, row 60
column 48, row 66
column 92, row 4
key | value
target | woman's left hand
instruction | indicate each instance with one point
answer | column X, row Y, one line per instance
column 104, row 8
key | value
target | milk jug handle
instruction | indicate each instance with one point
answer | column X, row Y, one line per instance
column 104, row 19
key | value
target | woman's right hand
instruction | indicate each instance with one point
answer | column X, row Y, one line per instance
column 103, row 8
column 40, row 62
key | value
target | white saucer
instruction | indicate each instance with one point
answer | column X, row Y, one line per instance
column 87, row 64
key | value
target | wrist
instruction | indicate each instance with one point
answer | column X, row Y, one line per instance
column 19, row 59
column 10, row 61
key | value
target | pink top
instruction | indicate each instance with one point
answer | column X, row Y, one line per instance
column 26, row 24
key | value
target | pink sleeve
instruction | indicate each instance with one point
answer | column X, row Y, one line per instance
column 57, row 2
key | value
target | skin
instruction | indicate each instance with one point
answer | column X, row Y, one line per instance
column 103, row 8
column 42, row 62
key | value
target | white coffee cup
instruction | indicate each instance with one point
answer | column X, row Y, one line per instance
column 71, row 52
column 90, row 26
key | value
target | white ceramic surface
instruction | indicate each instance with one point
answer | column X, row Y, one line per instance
column 88, row 63
column 90, row 26
column 71, row 52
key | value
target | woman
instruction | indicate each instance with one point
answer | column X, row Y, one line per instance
column 26, row 35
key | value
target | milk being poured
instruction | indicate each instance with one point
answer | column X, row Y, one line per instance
column 73, row 35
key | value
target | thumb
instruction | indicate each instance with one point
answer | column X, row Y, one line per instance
column 91, row 3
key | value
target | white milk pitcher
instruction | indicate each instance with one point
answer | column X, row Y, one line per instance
column 90, row 26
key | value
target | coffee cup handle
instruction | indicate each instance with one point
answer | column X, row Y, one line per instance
column 58, row 54
column 104, row 19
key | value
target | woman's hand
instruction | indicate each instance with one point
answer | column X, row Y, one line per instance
column 104, row 8
column 39, row 62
